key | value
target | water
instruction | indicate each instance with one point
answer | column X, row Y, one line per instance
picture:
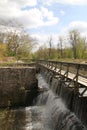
column 49, row 113
column 28, row 118
column 58, row 116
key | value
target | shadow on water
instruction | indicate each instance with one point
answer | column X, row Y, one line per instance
column 48, row 113
column 14, row 119
column 21, row 119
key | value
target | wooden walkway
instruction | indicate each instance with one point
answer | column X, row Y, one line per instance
column 78, row 76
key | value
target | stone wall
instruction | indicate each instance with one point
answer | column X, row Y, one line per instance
column 16, row 84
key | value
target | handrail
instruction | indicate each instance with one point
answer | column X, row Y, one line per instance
column 76, row 72
column 78, row 66
column 71, row 63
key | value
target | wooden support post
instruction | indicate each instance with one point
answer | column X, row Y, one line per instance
column 76, row 79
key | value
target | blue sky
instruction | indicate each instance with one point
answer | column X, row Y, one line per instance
column 66, row 15
column 45, row 18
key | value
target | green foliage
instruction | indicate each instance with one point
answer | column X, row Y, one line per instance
column 78, row 44
column 76, row 50
column 42, row 53
column 9, row 103
column 67, row 53
column 3, row 51
column 81, row 48
column 12, row 43
column 25, row 47
column 20, row 47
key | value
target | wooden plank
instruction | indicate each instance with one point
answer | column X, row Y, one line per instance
column 81, row 80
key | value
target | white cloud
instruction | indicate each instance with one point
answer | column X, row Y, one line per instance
column 8, row 10
column 22, row 3
column 51, row 19
column 32, row 18
column 47, row 2
column 4, row 29
column 42, row 37
column 18, row 3
column 12, row 8
column 81, row 26
column 71, row 2
column 62, row 12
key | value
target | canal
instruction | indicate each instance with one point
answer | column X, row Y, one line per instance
column 47, row 113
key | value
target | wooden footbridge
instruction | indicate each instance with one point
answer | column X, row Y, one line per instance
column 70, row 72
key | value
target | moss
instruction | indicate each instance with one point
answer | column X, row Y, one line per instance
column 22, row 88
column 9, row 103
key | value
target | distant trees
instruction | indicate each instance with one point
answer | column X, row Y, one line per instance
column 25, row 46
column 18, row 45
column 74, row 40
column 60, row 47
column 78, row 44
column 3, row 51
column 2, row 37
column 50, row 42
column 3, row 47
column 12, row 41
column 81, row 48
column 76, row 47
column 41, row 53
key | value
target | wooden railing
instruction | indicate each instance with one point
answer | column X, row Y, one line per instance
column 75, row 72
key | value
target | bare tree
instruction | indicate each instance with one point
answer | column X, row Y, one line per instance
column 74, row 37
column 50, row 41
column 2, row 38
column 18, row 43
column 26, row 46
column 12, row 41
column 60, row 46
column 84, row 41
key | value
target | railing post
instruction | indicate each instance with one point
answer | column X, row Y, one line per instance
column 67, row 73
column 76, row 78
column 60, row 68
column 67, row 70
column 55, row 66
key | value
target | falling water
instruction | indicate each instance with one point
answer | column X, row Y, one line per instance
column 57, row 115
column 48, row 113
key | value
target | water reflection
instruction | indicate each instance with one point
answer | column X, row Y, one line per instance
column 28, row 118
column 50, row 113
column 21, row 119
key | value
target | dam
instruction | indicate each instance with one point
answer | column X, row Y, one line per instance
column 37, row 98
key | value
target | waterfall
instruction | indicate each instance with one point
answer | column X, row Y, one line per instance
column 57, row 115
column 49, row 111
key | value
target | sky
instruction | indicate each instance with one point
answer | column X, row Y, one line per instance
column 42, row 19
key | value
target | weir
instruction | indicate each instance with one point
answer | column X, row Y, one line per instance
column 71, row 90
column 52, row 102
